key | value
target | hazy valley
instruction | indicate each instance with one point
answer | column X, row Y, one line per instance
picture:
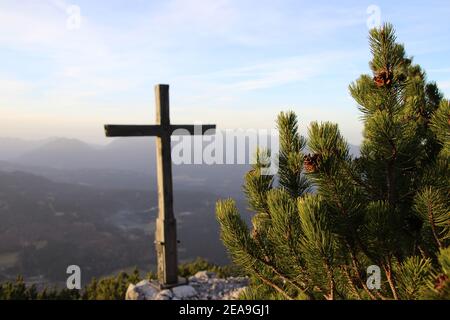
column 65, row 202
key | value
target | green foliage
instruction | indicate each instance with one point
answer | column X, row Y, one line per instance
column 432, row 206
column 55, row 294
column 438, row 286
column 290, row 157
column 235, row 233
column 191, row 268
column 18, row 290
column 110, row 288
column 440, row 125
column 257, row 185
column 327, row 216
column 412, row 277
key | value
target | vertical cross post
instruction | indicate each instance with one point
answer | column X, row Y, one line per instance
column 166, row 232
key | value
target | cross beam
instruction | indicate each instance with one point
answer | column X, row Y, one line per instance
column 166, row 233
column 113, row 130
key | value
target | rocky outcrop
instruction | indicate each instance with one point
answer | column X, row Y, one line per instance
column 202, row 286
column 141, row 291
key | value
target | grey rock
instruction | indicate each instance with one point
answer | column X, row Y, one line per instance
column 164, row 295
column 141, row 291
column 233, row 295
column 132, row 293
column 184, row 292
column 203, row 286
column 204, row 275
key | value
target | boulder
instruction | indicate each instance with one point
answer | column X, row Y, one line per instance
column 143, row 290
column 203, row 285
column 164, row 295
column 132, row 293
column 204, row 275
column 184, row 292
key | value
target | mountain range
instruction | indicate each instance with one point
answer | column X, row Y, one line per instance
column 123, row 163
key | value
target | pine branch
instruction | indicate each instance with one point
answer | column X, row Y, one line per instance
column 272, row 284
column 388, row 271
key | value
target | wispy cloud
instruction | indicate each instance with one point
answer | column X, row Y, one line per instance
column 224, row 86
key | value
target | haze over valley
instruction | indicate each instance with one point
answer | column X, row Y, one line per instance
column 64, row 202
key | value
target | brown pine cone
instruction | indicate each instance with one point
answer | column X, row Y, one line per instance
column 311, row 162
column 440, row 282
column 383, row 78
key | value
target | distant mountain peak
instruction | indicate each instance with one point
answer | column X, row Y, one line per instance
column 66, row 143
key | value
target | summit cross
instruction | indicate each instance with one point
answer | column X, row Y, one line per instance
column 166, row 230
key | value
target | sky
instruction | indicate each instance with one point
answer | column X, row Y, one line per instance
column 69, row 66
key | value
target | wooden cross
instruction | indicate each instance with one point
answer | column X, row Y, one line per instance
column 166, row 232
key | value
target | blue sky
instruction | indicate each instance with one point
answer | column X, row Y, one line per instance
column 234, row 63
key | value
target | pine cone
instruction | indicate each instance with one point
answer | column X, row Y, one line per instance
column 440, row 282
column 383, row 78
column 311, row 162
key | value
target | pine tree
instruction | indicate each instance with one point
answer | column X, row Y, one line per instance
column 110, row 288
column 327, row 216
